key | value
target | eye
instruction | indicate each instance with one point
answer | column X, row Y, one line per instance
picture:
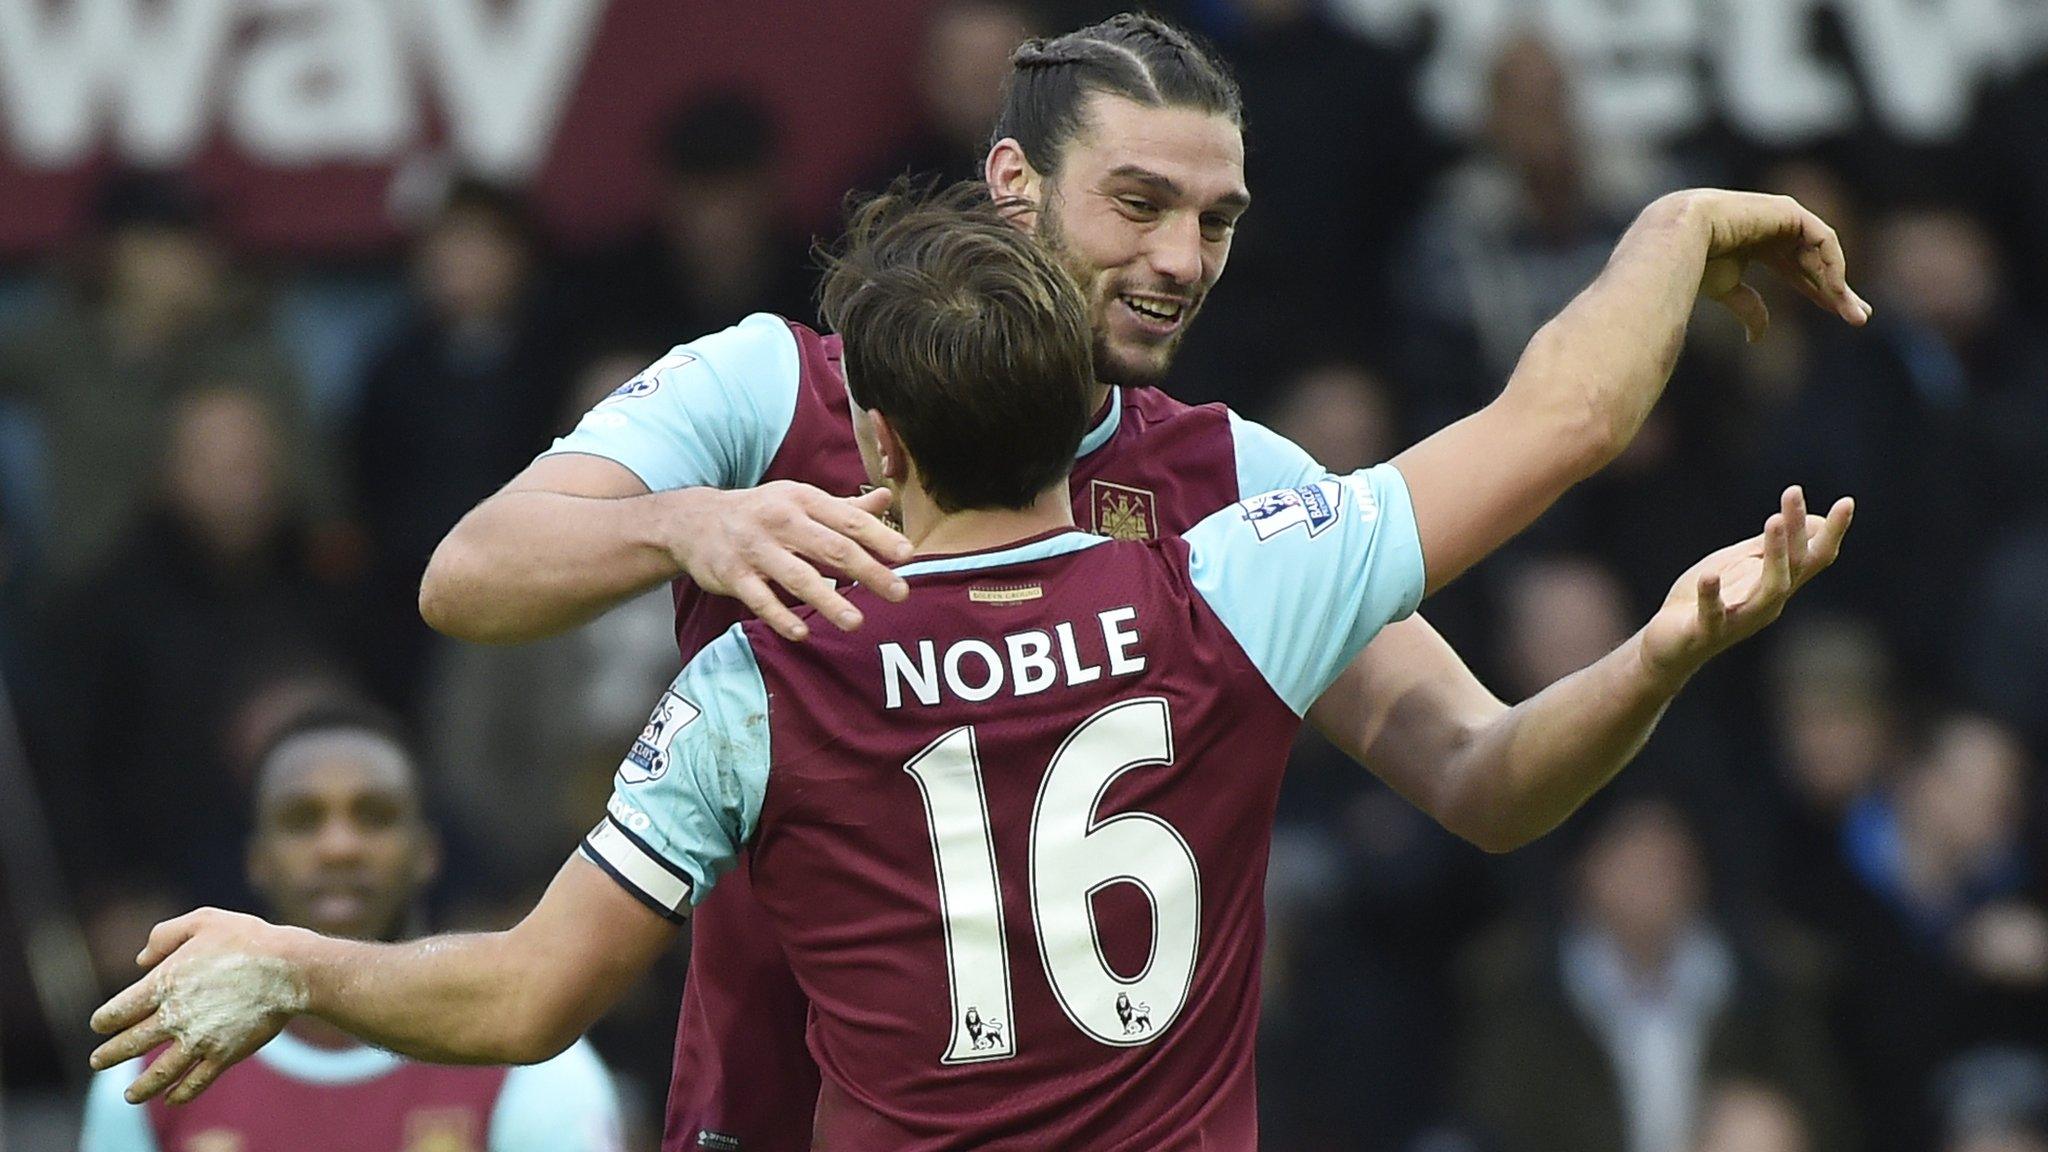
column 1138, row 206
column 1217, row 227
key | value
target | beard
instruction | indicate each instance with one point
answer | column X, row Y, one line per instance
column 1122, row 367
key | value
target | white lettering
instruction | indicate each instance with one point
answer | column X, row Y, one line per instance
column 897, row 668
column 1120, row 640
column 1771, row 87
column 1077, row 672
column 328, row 83
column 62, row 71
column 1031, row 666
column 504, row 73
column 978, row 692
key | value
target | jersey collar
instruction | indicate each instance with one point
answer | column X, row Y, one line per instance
column 1105, row 427
column 1057, row 542
column 294, row 1058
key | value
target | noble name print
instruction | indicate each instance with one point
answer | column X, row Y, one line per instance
column 1122, row 512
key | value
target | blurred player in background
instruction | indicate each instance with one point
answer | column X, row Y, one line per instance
column 1047, row 1005
column 730, row 468
column 342, row 848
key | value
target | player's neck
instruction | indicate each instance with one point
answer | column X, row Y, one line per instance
column 938, row 533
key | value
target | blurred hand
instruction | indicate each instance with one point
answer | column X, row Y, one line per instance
column 1734, row 593
column 220, row 986
column 739, row 543
column 1777, row 232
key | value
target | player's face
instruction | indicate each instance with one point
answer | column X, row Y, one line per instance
column 1141, row 214
column 340, row 844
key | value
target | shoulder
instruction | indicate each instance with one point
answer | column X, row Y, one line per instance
column 565, row 1104
column 112, row 1124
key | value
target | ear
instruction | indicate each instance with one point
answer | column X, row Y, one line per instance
column 889, row 447
column 1010, row 176
column 426, row 865
column 256, row 867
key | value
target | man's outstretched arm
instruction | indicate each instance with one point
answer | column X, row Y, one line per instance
column 1411, row 710
column 222, row 984
column 573, row 535
column 1591, row 375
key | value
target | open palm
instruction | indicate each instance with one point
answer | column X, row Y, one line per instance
column 1732, row 594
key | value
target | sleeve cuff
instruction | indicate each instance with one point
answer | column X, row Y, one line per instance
column 639, row 869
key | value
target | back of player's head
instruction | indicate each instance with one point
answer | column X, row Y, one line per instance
column 965, row 333
column 1134, row 56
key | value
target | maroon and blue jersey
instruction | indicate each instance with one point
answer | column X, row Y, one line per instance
column 1012, row 834
column 766, row 400
column 294, row 1097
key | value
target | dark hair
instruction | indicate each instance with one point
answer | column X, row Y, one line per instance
column 335, row 715
column 1133, row 55
column 967, row 334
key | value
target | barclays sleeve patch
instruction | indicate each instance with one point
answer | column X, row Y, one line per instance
column 648, row 759
column 1315, row 506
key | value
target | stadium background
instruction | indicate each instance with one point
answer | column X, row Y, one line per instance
column 289, row 285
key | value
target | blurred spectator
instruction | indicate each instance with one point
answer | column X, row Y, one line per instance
column 460, row 401
column 1513, row 234
column 157, row 314
column 960, row 71
column 528, row 737
column 2002, row 661
column 1942, row 938
column 1341, row 414
column 720, row 246
column 1747, row 1117
column 342, row 847
column 1561, row 614
column 1603, row 1031
column 142, row 664
column 1325, row 111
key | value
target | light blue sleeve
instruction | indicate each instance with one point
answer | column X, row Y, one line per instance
column 711, row 413
column 566, row 1104
column 1268, row 461
column 688, row 794
column 1305, row 577
column 112, row 1124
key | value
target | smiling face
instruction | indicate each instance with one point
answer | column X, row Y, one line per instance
column 341, row 846
column 1140, row 212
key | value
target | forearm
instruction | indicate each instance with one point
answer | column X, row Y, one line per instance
column 526, row 564
column 1520, row 775
column 1599, row 366
column 467, row 999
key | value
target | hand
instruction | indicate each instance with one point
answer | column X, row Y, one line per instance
column 1732, row 594
column 221, row 986
column 737, row 543
column 1776, row 231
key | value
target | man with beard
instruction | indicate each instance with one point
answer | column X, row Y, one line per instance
column 1013, row 833
column 341, row 847
column 730, row 468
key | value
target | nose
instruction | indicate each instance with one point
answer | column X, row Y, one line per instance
column 1175, row 253
column 339, row 839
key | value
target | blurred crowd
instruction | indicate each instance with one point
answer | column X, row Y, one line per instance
column 1813, row 917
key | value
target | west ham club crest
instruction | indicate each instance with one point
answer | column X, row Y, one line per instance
column 1123, row 513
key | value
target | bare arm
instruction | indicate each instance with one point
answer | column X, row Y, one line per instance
column 223, row 984
column 1590, row 377
column 573, row 535
column 1411, row 710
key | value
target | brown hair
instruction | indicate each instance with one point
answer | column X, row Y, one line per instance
column 964, row 332
column 1132, row 55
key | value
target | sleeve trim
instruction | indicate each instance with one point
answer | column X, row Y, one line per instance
column 649, row 878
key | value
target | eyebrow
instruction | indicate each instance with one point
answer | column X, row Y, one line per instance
column 1163, row 184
